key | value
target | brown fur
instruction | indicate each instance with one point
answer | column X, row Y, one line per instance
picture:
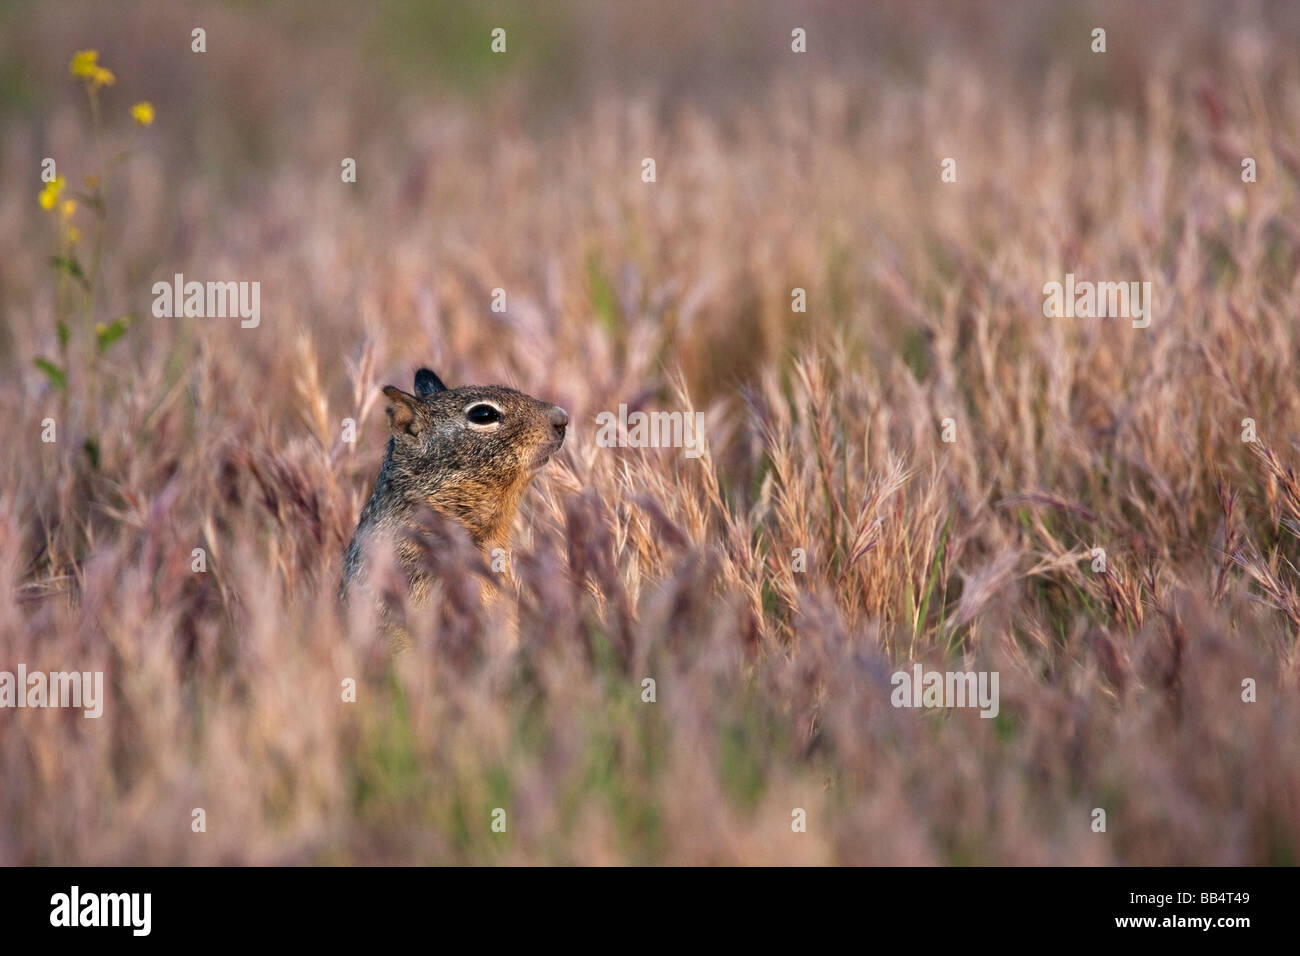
column 437, row 458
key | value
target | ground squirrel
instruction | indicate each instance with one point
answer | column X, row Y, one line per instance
column 467, row 453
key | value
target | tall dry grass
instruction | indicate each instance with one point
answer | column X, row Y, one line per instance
column 1120, row 690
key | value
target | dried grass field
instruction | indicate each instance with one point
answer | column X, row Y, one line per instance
column 828, row 537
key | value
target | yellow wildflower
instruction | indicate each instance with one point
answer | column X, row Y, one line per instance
column 102, row 77
column 142, row 113
column 50, row 194
column 84, row 63
column 68, row 208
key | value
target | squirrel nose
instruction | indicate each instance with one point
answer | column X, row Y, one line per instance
column 559, row 419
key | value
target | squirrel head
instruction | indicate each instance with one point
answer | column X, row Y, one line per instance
column 470, row 452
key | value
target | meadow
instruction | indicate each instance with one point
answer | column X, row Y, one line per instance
column 921, row 468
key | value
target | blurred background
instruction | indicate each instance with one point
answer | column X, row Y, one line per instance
column 775, row 171
column 244, row 155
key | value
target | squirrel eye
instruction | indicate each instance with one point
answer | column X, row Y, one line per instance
column 483, row 415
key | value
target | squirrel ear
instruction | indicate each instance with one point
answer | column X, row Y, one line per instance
column 402, row 417
column 426, row 383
